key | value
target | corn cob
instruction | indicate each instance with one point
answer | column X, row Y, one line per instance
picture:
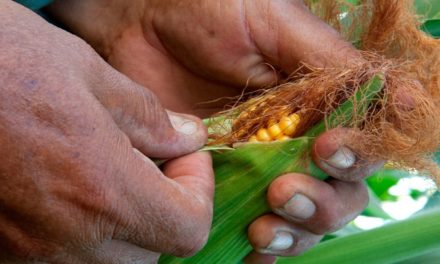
column 283, row 130
column 243, row 174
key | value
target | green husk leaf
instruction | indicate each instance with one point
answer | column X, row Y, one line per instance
column 432, row 27
column 243, row 175
column 391, row 243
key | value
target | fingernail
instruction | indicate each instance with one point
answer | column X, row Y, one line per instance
column 299, row 207
column 183, row 125
column 344, row 158
column 281, row 241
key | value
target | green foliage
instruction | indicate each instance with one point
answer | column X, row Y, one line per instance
column 433, row 202
column 382, row 181
column 432, row 27
column 398, row 241
column 374, row 207
column 429, row 258
column 428, row 9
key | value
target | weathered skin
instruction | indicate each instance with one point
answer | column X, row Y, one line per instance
column 72, row 190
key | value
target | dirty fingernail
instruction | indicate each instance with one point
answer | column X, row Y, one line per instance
column 343, row 158
column 298, row 207
column 183, row 125
column 281, row 241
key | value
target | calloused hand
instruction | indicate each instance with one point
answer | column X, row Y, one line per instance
column 306, row 208
column 76, row 185
column 194, row 51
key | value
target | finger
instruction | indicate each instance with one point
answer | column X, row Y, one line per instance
column 120, row 252
column 167, row 214
column 139, row 114
column 194, row 172
column 337, row 159
column 107, row 252
column 287, row 33
column 315, row 205
column 257, row 258
column 272, row 235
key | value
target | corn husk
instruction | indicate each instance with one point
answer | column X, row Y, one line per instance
column 243, row 174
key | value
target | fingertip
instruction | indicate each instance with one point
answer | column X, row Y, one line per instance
column 328, row 143
column 317, row 206
column 284, row 187
column 291, row 197
column 177, row 135
column 270, row 234
column 190, row 127
column 332, row 153
column 258, row 258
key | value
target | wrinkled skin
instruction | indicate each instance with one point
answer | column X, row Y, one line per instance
column 73, row 189
column 79, row 129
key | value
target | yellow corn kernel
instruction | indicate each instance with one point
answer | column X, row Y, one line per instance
column 283, row 137
column 263, row 135
column 295, row 118
column 287, row 126
column 284, row 122
column 274, row 131
column 253, row 139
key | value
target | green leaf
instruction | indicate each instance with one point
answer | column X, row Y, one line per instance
column 382, row 181
column 432, row 27
column 429, row 9
column 391, row 243
column 416, row 194
column 349, row 229
column 374, row 207
column 433, row 202
column 429, row 258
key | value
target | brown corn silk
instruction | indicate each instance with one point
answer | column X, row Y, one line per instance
column 403, row 124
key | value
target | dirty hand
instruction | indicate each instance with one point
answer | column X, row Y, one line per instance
column 76, row 185
column 194, row 51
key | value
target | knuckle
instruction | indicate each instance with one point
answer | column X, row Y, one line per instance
column 330, row 221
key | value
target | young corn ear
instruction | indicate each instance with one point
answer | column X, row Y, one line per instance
column 244, row 173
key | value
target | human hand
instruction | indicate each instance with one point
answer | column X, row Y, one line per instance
column 306, row 208
column 211, row 49
column 190, row 52
column 73, row 187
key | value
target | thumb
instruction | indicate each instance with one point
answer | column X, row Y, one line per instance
column 138, row 113
column 289, row 34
